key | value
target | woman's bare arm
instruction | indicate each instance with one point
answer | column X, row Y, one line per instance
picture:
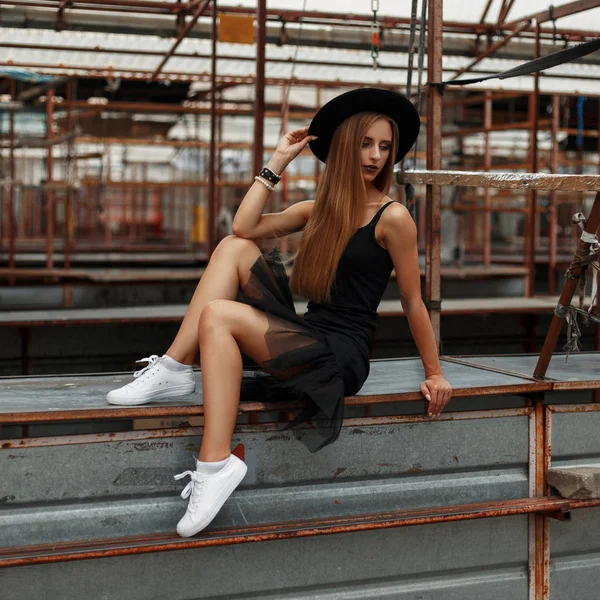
column 270, row 225
column 400, row 237
column 249, row 221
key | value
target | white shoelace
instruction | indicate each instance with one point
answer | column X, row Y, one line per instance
column 151, row 360
column 191, row 487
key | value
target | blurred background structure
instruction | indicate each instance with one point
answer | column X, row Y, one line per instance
column 131, row 130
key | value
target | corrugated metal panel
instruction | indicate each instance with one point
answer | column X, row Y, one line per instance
column 126, row 487
column 575, row 546
column 484, row 560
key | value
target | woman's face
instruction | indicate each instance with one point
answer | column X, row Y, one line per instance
column 375, row 149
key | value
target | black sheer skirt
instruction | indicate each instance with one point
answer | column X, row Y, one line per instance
column 302, row 362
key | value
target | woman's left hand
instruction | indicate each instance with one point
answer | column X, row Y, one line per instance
column 438, row 391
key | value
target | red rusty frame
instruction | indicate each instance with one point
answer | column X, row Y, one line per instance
column 201, row 8
column 313, row 17
column 253, row 407
column 277, row 531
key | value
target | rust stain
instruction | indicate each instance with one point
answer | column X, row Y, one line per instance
column 413, row 470
column 338, row 472
column 159, row 543
column 336, row 502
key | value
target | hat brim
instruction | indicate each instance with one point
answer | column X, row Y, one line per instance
column 392, row 104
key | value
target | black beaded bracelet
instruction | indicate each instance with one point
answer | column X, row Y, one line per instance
column 270, row 176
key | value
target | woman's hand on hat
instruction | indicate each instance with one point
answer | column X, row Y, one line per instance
column 292, row 143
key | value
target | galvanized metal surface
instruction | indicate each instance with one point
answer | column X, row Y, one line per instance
column 125, row 546
column 125, row 487
column 581, row 367
column 37, row 399
column 440, row 561
column 574, row 547
column 175, row 312
column 575, row 439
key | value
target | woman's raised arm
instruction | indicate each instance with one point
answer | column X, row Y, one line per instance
column 249, row 221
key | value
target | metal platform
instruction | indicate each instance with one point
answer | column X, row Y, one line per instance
column 47, row 399
column 91, row 514
column 72, row 398
column 175, row 312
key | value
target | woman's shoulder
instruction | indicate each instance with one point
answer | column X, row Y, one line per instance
column 395, row 216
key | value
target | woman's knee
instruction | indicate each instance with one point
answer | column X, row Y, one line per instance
column 236, row 245
column 214, row 315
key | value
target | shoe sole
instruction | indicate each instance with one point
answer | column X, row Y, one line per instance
column 172, row 392
column 220, row 502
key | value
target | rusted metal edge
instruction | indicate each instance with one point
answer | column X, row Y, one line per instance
column 592, row 503
column 498, row 390
column 103, row 321
column 250, row 407
column 141, row 545
column 467, row 363
column 573, row 408
column 531, row 181
column 591, row 384
column 149, row 434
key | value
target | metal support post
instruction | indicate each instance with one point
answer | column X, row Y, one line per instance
column 210, row 217
column 259, row 89
column 434, row 162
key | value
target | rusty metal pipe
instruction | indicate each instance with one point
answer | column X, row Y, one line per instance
column 210, row 223
column 49, row 176
column 566, row 295
column 197, row 14
column 259, row 88
column 434, row 162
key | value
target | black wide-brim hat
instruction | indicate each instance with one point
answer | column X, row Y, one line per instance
column 392, row 104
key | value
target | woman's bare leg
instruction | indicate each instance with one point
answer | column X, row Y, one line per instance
column 226, row 329
column 228, row 268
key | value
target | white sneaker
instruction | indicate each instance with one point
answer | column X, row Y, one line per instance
column 153, row 381
column 208, row 493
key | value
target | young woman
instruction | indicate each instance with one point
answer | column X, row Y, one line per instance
column 353, row 236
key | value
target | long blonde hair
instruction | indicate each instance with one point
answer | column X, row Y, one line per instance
column 339, row 207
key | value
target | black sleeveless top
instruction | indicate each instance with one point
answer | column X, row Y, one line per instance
column 361, row 278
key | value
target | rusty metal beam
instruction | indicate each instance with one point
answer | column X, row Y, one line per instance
column 504, row 10
column 60, row 13
column 434, row 162
column 135, row 545
column 556, row 12
column 12, row 175
column 213, row 137
column 485, row 11
column 49, row 177
column 196, row 55
column 259, row 88
column 142, row 75
column 41, row 89
column 315, row 17
column 492, row 49
column 575, row 271
column 197, row 14
column 506, row 181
